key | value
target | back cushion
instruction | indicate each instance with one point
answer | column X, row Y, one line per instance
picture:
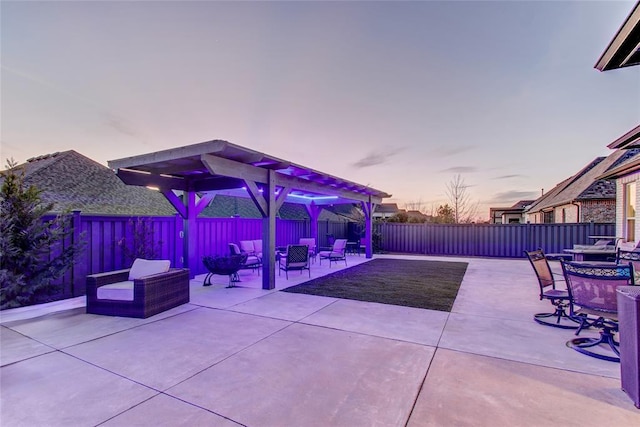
column 147, row 267
column 247, row 246
column 309, row 242
column 257, row 246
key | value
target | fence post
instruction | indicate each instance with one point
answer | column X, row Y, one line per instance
column 75, row 240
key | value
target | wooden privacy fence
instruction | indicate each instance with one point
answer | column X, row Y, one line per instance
column 108, row 237
column 486, row 240
column 109, row 241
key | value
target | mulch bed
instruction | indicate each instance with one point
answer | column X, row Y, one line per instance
column 422, row 284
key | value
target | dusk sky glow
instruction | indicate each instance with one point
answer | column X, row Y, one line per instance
column 401, row 96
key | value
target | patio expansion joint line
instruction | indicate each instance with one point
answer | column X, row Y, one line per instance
column 172, row 397
column 52, row 349
column 158, row 392
column 521, row 362
column 444, row 326
column 419, row 392
column 236, row 352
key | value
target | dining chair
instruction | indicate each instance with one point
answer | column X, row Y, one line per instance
column 559, row 298
column 592, row 289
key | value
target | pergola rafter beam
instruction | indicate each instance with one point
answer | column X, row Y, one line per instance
column 225, row 167
column 151, row 180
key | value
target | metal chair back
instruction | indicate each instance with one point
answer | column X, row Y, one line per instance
column 542, row 269
column 593, row 286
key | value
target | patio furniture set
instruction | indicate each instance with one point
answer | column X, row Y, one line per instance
column 150, row 287
column 248, row 255
column 590, row 299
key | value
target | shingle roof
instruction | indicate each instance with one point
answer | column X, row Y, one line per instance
column 522, row 204
column 391, row 208
column 223, row 206
column 585, row 185
column 72, row 181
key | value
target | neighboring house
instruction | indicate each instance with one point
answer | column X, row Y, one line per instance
column 624, row 51
column 584, row 197
column 72, row 181
column 627, row 181
column 511, row 215
column 386, row 210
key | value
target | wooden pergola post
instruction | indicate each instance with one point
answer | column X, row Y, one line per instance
column 368, row 207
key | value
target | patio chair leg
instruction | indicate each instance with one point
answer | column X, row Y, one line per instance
column 606, row 337
column 207, row 280
column 559, row 314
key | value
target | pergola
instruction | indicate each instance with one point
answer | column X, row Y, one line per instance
column 200, row 171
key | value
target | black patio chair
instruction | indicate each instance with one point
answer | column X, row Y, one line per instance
column 296, row 258
column 592, row 288
column 560, row 298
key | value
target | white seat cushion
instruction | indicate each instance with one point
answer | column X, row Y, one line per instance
column 147, row 267
column 121, row 291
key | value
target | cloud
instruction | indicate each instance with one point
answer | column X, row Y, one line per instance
column 515, row 195
column 122, row 125
column 377, row 157
column 510, row 176
column 450, row 151
column 460, row 169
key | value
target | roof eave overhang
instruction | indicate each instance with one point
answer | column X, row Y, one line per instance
column 622, row 170
column 629, row 140
column 624, row 48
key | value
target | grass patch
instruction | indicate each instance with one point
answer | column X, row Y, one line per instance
column 421, row 284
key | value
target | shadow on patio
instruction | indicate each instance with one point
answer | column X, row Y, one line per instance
column 248, row 356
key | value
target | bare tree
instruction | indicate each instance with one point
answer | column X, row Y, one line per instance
column 415, row 205
column 464, row 210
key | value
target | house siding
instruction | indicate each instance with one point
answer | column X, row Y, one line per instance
column 570, row 214
column 620, row 183
column 598, row 211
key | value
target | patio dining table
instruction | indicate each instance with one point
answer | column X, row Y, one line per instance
column 592, row 254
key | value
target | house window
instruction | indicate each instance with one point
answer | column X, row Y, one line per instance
column 564, row 215
column 547, row 217
column 630, row 211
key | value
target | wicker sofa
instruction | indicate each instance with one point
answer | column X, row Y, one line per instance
column 151, row 294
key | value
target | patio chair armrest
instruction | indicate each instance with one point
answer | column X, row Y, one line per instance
column 101, row 279
column 152, row 290
column 162, row 279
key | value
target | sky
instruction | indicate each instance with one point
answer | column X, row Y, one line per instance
column 400, row 96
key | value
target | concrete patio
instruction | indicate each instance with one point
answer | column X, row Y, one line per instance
column 248, row 356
